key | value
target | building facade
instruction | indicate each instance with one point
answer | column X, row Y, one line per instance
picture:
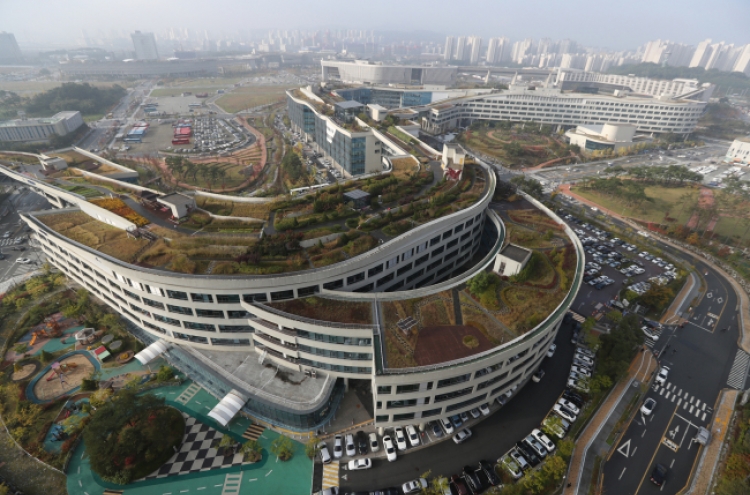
column 145, row 46
column 739, row 152
column 555, row 107
column 366, row 72
column 677, row 88
column 9, row 51
column 31, row 130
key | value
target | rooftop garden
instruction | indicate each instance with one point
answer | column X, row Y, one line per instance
column 118, row 207
column 319, row 308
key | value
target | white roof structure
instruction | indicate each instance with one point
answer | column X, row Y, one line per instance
column 152, row 352
column 227, row 408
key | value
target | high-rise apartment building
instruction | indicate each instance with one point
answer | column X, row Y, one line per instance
column 701, row 54
column 498, row 50
column 461, row 48
column 9, row 51
column 145, row 46
column 743, row 61
column 448, row 52
column 476, row 48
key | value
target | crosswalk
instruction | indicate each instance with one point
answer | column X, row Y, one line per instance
column 649, row 343
column 232, row 483
column 330, row 474
column 188, row 394
column 688, row 403
column 739, row 370
column 7, row 242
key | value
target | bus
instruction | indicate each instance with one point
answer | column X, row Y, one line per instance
column 195, row 104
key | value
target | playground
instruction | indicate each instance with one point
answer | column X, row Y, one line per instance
column 62, row 376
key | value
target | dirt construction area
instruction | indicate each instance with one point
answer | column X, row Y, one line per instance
column 50, row 385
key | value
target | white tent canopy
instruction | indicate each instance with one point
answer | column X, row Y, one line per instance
column 152, row 352
column 227, row 408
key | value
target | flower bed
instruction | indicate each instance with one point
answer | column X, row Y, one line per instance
column 118, row 207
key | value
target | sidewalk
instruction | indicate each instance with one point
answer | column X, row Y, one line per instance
column 582, row 461
column 709, row 459
column 689, row 291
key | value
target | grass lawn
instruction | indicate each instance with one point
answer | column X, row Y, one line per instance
column 249, row 97
column 664, row 200
column 177, row 91
column 30, row 88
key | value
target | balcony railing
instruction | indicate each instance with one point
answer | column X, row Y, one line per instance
column 274, row 340
column 277, row 354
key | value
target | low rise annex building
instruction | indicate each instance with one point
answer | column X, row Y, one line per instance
column 40, row 129
column 613, row 137
column 739, row 151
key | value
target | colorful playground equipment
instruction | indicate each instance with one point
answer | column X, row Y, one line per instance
column 59, row 370
column 52, row 329
column 85, row 336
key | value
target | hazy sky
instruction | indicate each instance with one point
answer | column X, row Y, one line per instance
column 602, row 23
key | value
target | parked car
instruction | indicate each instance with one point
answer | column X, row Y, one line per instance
column 581, row 371
column 536, row 445
column 573, row 397
column 374, row 445
column 447, row 425
column 475, row 413
column 358, row 464
column 528, row 454
column 489, row 471
column 485, row 409
column 578, row 385
column 361, row 442
column 661, row 377
column 350, row 449
column 650, row 333
column 569, row 405
column 519, row 459
column 511, row 467
column 414, row 486
column 556, row 429
column 564, row 413
column 390, row 450
column 400, row 438
column 23, row 261
column 462, row 436
column 458, row 486
column 471, row 478
column 648, row 406
column 437, row 431
column 411, row 432
column 325, row 456
column 543, row 439
column 338, row 446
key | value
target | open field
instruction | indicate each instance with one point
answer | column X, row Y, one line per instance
column 177, row 91
column 664, row 200
column 250, row 97
column 517, row 147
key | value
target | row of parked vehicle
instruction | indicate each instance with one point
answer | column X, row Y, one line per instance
column 531, row 450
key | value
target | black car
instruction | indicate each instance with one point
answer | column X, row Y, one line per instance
column 528, row 454
column 471, row 478
column 489, row 471
column 659, row 475
column 573, row 397
column 361, row 442
column 588, row 278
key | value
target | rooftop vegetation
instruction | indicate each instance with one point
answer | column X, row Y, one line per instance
column 334, row 310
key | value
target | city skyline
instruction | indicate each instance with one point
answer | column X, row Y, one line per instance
column 641, row 22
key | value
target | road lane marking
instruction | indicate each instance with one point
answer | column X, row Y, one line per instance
column 636, row 448
column 671, row 464
column 654, row 454
column 679, row 402
column 691, row 409
column 623, row 472
column 691, row 399
column 686, row 395
column 697, row 403
column 661, row 392
column 704, row 406
column 624, row 449
column 643, row 434
column 673, row 398
column 704, row 417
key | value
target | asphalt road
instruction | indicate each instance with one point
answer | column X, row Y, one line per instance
column 700, row 357
column 491, row 438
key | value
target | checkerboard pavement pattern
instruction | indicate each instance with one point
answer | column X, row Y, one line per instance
column 196, row 453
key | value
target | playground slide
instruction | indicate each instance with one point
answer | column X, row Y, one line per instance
column 52, row 375
column 33, row 340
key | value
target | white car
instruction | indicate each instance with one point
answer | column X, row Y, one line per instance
column 447, row 425
column 390, row 450
column 351, row 450
column 647, row 331
column 551, row 350
column 648, row 407
column 338, row 447
column 537, row 447
column 374, row 445
column 569, row 406
column 564, row 414
column 414, row 486
column 584, row 358
column 475, row 413
column 557, row 430
column 485, row 409
column 23, row 261
column 357, row 464
column 400, row 438
column 543, row 439
column 325, row 456
column 462, row 436
column 411, row 432
column 661, row 378
column 581, row 371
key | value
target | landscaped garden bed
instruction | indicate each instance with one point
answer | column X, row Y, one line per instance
column 118, row 207
column 320, row 308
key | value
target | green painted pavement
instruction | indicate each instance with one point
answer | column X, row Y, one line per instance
column 267, row 477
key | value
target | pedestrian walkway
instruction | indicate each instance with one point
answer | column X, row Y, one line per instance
column 232, row 483
column 331, row 474
column 253, row 432
column 739, row 370
column 690, row 404
column 188, row 394
column 641, row 369
column 709, row 459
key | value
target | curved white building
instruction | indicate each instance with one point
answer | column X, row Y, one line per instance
column 291, row 342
